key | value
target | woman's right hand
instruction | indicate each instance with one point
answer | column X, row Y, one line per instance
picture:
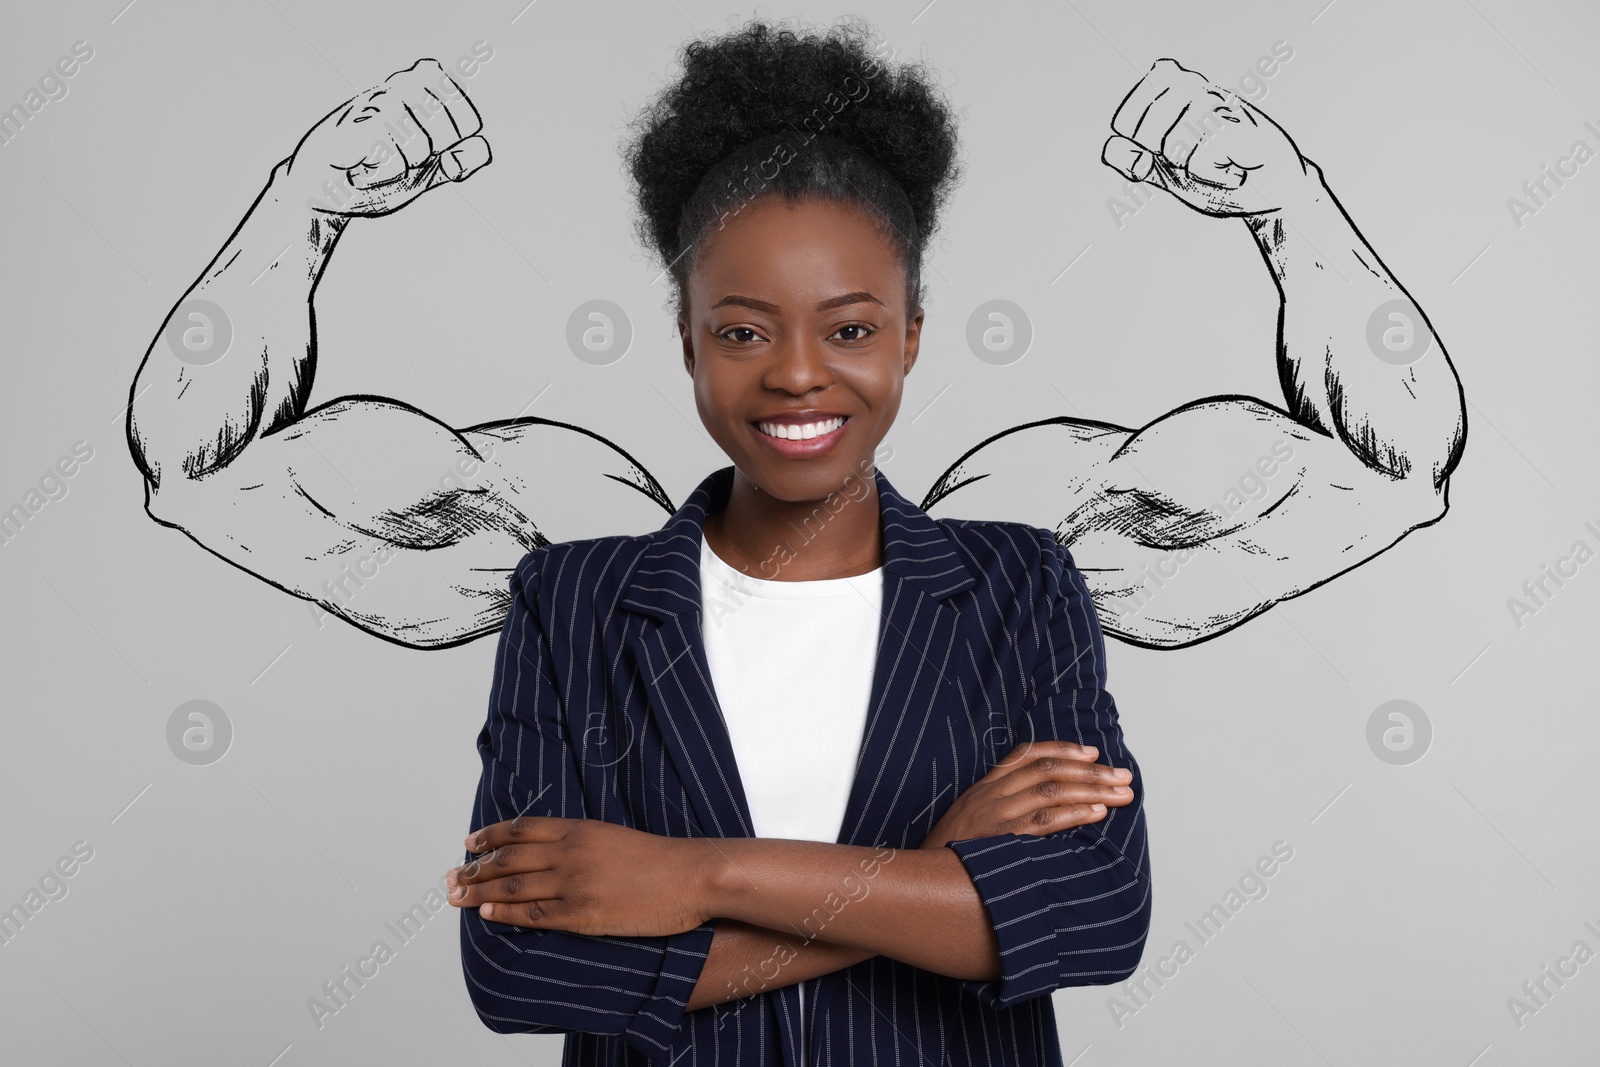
column 1040, row 788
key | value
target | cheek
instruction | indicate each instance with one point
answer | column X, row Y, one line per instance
column 879, row 385
column 706, row 395
column 716, row 393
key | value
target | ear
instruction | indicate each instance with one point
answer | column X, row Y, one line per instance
column 913, row 340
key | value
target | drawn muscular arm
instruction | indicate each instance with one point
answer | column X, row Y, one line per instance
column 1216, row 511
column 367, row 506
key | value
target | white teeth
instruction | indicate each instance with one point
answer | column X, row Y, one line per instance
column 802, row 432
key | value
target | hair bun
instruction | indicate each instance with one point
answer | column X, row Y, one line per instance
column 762, row 80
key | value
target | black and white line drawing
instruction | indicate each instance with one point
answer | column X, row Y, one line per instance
column 1184, row 528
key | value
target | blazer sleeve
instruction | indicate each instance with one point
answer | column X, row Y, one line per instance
column 551, row 981
column 1073, row 907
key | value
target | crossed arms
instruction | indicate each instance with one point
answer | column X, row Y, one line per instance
column 575, row 924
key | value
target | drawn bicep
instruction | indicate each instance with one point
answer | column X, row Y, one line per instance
column 572, row 482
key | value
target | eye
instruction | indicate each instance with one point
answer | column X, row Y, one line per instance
column 862, row 331
column 724, row 335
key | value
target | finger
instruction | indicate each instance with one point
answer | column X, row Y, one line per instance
column 1049, row 746
column 462, row 110
column 1138, row 164
column 521, row 828
column 445, row 96
column 460, row 161
column 423, row 106
column 535, row 914
column 1035, row 748
column 1152, row 87
column 1050, row 793
column 524, row 886
column 1162, row 118
column 503, row 862
column 438, row 101
column 1035, row 787
column 1174, row 127
column 1065, row 817
column 1059, row 769
column 421, row 96
column 1127, row 158
column 1048, row 796
column 1208, row 116
column 1229, row 114
column 1064, row 773
column 404, row 130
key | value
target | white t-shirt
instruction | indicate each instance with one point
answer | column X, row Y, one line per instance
column 792, row 666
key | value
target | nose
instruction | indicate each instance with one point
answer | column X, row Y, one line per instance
column 799, row 365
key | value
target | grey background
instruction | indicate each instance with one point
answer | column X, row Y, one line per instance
column 219, row 898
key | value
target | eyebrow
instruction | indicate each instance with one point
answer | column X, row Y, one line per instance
column 860, row 296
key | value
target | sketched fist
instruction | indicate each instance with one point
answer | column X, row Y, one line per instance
column 383, row 148
column 1204, row 144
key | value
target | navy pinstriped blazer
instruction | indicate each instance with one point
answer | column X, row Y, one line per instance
column 602, row 707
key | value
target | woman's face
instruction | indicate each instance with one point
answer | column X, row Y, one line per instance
column 797, row 317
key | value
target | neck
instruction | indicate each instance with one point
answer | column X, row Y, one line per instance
column 836, row 536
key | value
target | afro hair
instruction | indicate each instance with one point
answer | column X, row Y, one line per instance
column 827, row 114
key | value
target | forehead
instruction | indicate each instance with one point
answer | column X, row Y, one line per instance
column 807, row 247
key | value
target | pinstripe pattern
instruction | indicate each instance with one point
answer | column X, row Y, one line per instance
column 602, row 707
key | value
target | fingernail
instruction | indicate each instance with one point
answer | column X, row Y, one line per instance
column 1097, row 807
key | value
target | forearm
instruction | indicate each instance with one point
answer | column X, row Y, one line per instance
column 191, row 415
column 1402, row 418
column 745, row 960
column 918, row 906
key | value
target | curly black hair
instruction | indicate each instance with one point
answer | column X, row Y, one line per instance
column 765, row 110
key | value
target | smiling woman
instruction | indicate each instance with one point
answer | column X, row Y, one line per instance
column 680, row 797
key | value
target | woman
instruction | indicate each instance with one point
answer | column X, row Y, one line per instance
column 805, row 775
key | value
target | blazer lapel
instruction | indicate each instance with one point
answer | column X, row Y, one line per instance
column 918, row 656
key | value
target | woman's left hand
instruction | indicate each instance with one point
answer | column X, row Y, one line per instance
column 585, row 876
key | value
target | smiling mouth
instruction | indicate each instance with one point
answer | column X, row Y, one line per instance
column 801, row 431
